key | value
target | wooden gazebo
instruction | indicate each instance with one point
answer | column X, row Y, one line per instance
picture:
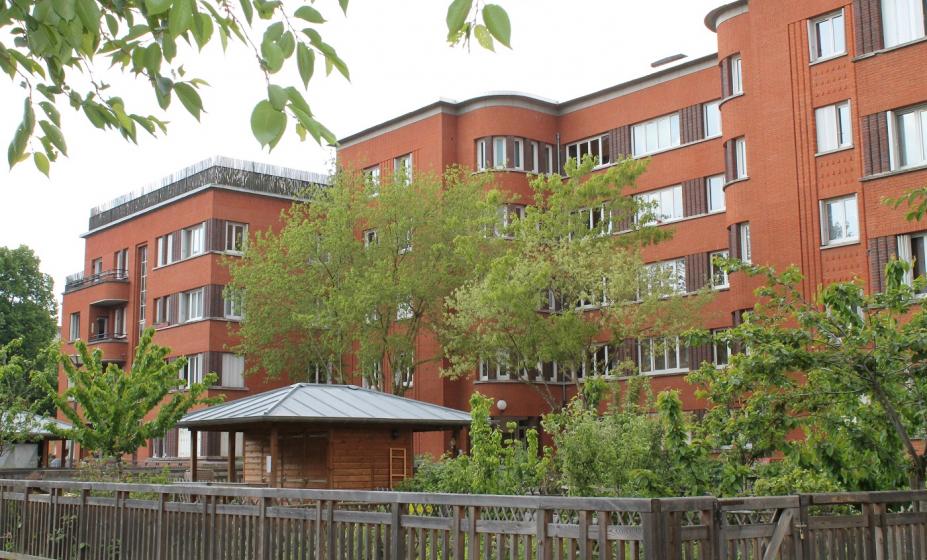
column 323, row 436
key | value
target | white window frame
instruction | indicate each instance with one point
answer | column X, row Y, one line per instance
column 402, row 167
column 372, row 179
column 499, row 147
column 549, row 152
column 713, row 201
column 837, row 24
column 320, row 374
column 192, row 304
column 232, row 306
column 850, row 231
column 193, row 241
column 506, row 214
column 834, row 127
column 404, row 310
column 680, row 353
column 715, row 354
column 746, row 244
column 119, row 322
column 482, row 147
column 371, row 237
column 597, row 219
column 192, row 371
column 74, row 327
column 518, row 155
column 909, row 12
column 233, row 370
column 165, row 249
column 717, row 272
column 654, row 129
column 710, row 109
column 660, row 216
column 898, row 154
column 535, row 157
column 231, row 235
column 737, row 75
column 740, row 158
column 122, row 263
column 672, row 268
column 96, row 267
column 595, row 146
column 906, row 253
column 503, row 372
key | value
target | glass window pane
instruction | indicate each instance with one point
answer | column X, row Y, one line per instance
column 846, row 126
column 851, row 218
column 712, row 119
column 911, row 149
column 826, row 121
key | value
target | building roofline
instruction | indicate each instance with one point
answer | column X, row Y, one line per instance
column 713, row 18
column 510, row 98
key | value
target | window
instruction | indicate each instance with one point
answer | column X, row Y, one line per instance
column 166, row 249
column 498, row 153
column 482, row 153
column 828, row 36
column 508, row 214
column 549, row 156
column 743, row 236
column 834, row 128
column 235, row 237
column 598, row 147
column 719, row 278
column 193, row 241
column 740, row 159
column 902, row 21
column 372, row 375
column 712, row 119
column 233, row 370
column 96, row 267
column 663, row 355
column 656, row 135
column 839, row 221
column 232, row 306
column 667, row 277
column 497, row 369
column 406, row 243
column 404, row 310
column 661, row 206
column 596, row 296
column 119, row 322
column 192, row 371
column 162, row 310
column 191, row 305
column 122, row 263
column 911, row 248
column 519, row 154
column 597, row 220
column 142, row 287
column 372, row 179
column 534, row 155
column 720, row 351
column 603, row 361
column 402, row 166
column 910, row 146
column 371, row 238
column 715, row 186
column 737, row 75
column 74, row 330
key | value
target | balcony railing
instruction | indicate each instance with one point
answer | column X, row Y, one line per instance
column 106, row 337
column 81, row 280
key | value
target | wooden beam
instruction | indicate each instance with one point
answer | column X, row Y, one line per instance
column 232, row 475
column 193, row 450
column 274, row 458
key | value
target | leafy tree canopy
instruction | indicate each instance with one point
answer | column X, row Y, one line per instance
column 17, row 401
column 59, row 51
column 109, row 408
column 27, row 304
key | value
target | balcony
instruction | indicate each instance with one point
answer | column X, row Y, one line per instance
column 114, row 346
column 107, row 289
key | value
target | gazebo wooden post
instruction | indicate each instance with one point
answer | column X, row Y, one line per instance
column 193, row 450
column 232, row 475
column 274, row 458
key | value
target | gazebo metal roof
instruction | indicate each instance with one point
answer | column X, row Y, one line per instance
column 311, row 403
column 34, row 425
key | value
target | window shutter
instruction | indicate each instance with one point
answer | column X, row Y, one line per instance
column 867, row 16
column 509, row 152
column 215, row 235
column 726, row 90
column 178, row 241
column 733, row 234
column 692, row 124
column 561, row 160
column 694, row 197
column 170, row 443
column 621, row 142
column 699, row 354
column 697, row 267
column 881, row 250
column 542, row 157
column 173, row 309
column 875, row 144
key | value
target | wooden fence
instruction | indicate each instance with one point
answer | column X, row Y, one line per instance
column 65, row 520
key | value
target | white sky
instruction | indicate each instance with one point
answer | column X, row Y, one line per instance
column 399, row 61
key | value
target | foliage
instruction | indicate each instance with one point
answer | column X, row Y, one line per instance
column 495, row 465
column 52, row 48
column 352, row 260
column 108, row 470
column 915, row 200
column 27, row 304
column 553, row 255
column 860, row 399
column 16, row 410
column 111, row 410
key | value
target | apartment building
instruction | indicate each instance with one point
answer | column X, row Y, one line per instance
column 779, row 150
column 157, row 258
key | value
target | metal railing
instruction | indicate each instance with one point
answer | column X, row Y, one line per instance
column 81, row 280
column 106, row 336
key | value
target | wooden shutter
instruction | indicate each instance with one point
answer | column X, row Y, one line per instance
column 213, row 302
column 699, row 354
column 621, row 142
column 867, row 17
column 173, row 309
column 725, row 67
column 215, row 235
column 875, row 144
column 881, row 250
column 542, row 157
column 170, row 443
column 178, row 241
column 694, row 197
column 697, row 271
column 733, row 234
column 509, row 152
column 692, row 124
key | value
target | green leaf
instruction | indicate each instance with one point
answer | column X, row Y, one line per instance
column 274, row 31
column 190, row 98
column 305, row 61
column 155, row 7
column 17, row 149
column 248, row 9
column 297, row 101
column 180, row 18
column 41, row 162
column 112, row 25
column 66, row 9
column 344, row 6
column 267, row 123
column 333, row 60
column 89, row 13
column 497, row 21
column 168, row 47
column 153, row 59
column 483, row 37
column 287, row 44
column 277, row 96
column 94, row 114
column 55, row 136
column 51, row 111
column 273, row 56
column 457, row 14
column 202, row 29
column 309, row 14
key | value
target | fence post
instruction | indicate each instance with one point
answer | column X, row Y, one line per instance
column 82, row 523
column 802, row 542
column 708, row 518
column 160, row 553
column 209, row 527
column 24, row 526
column 2, row 512
column 650, row 523
column 395, row 533
column 330, row 528
column 877, row 544
column 605, row 549
column 542, row 518
column 264, row 525
column 473, row 541
column 457, row 535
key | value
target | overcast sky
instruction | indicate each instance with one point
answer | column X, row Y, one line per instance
column 398, row 60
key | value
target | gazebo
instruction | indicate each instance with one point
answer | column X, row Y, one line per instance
column 322, row 436
column 34, row 450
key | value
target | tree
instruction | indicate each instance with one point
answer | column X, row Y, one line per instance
column 16, row 409
column 27, row 304
column 362, row 268
column 847, row 369
column 564, row 282
column 52, row 48
column 109, row 408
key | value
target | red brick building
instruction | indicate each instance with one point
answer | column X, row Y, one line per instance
column 778, row 149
